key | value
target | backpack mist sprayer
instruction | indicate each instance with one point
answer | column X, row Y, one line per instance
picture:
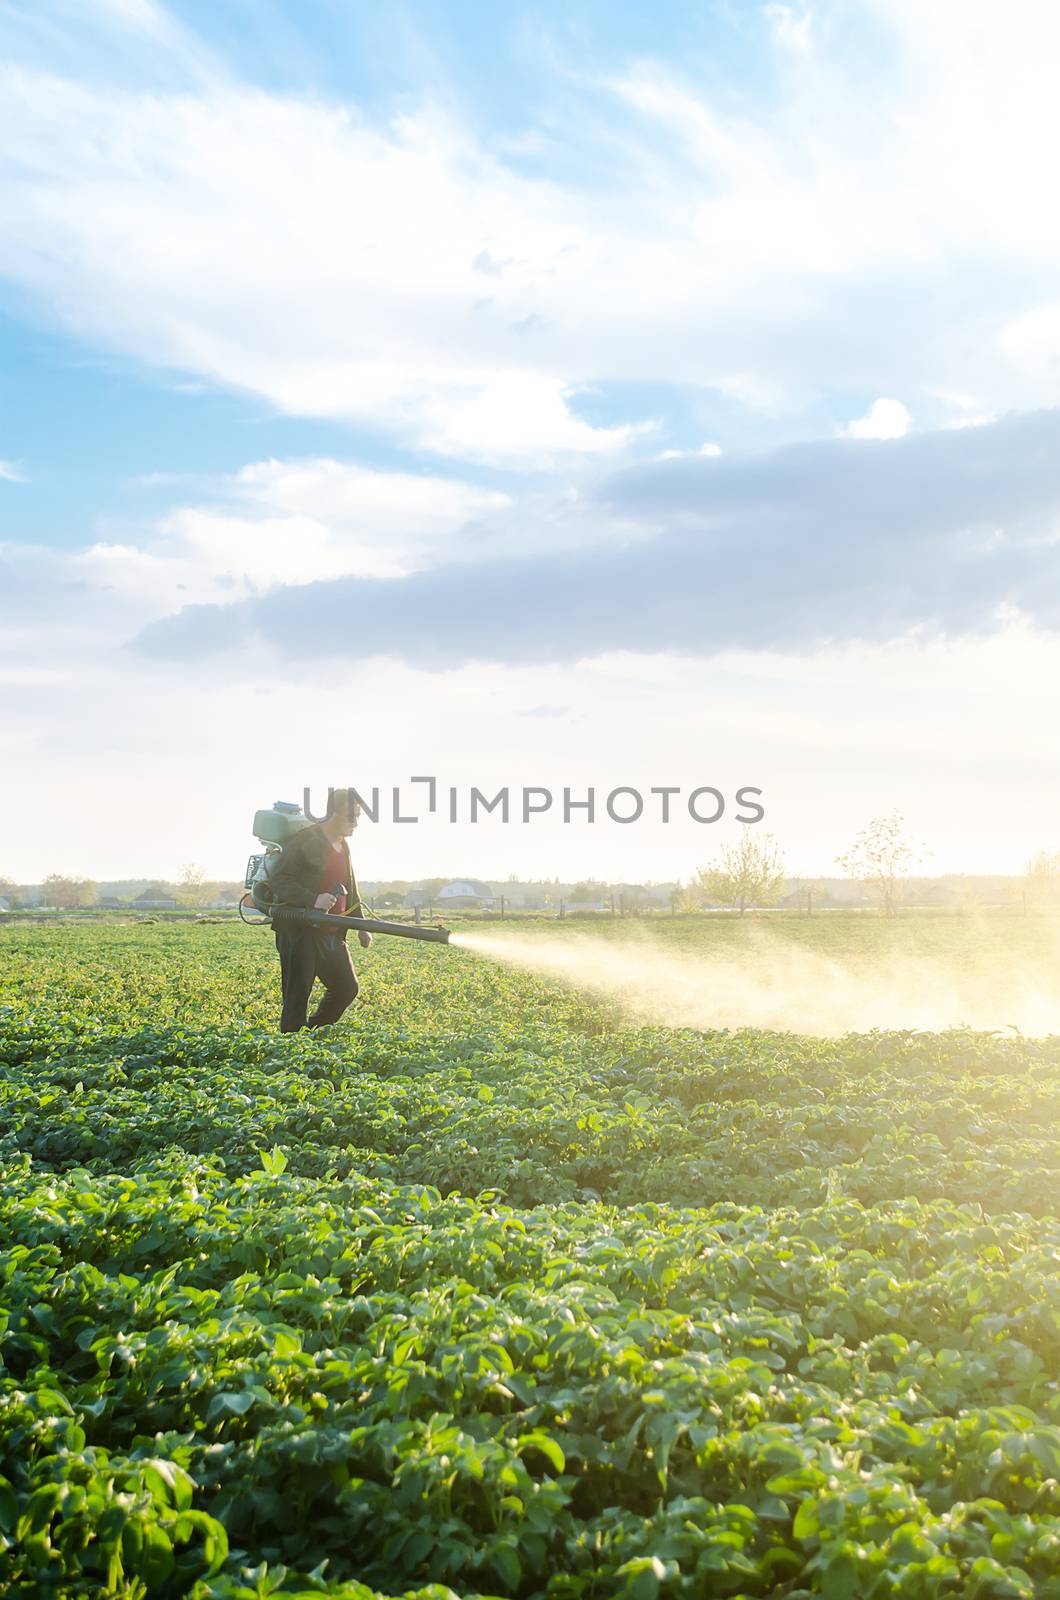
column 276, row 828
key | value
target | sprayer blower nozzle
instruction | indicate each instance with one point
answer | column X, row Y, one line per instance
column 326, row 919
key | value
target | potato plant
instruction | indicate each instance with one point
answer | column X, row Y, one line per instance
column 490, row 1292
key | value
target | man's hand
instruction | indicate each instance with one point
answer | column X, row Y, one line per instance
column 364, row 938
column 323, row 902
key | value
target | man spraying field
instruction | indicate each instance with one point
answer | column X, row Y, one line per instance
column 315, row 873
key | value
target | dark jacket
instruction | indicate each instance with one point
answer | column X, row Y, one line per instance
column 296, row 880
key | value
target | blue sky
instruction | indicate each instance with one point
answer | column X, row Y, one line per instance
column 692, row 372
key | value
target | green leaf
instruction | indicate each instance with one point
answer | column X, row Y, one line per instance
column 546, row 1445
column 8, row 1507
column 839, row 1578
column 807, row 1522
column 643, row 1576
column 168, row 1483
column 273, row 1161
column 238, row 1401
column 507, row 1566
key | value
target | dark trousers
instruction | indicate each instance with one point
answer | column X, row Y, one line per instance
column 305, row 955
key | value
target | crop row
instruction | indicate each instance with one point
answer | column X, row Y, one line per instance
column 572, row 1400
column 642, row 1114
column 488, row 1292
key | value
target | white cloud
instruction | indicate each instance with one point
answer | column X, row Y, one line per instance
column 289, row 249
column 885, row 419
column 1031, row 342
column 400, row 275
column 10, row 473
column 412, row 506
column 143, row 14
column 138, row 16
column 707, row 449
column 289, row 522
column 972, row 419
column 963, row 410
column 506, row 416
column 790, row 28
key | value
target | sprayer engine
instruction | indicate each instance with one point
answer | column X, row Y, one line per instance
column 275, row 828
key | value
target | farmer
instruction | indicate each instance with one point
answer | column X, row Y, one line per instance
column 316, row 872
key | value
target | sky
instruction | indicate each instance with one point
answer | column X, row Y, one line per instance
column 566, row 396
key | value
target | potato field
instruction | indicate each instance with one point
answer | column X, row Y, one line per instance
column 496, row 1290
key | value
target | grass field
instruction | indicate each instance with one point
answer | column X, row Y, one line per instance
column 498, row 1289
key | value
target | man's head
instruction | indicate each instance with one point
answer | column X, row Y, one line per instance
column 345, row 809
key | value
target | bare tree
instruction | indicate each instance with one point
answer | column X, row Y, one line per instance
column 882, row 855
column 750, row 873
column 191, row 886
column 1043, row 877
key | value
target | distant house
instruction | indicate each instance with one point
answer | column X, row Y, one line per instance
column 109, row 902
column 224, row 901
column 5, row 905
column 154, row 898
column 466, row 894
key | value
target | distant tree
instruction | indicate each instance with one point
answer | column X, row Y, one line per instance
column 588, row 889
column 882, row 855
column 9, row 892
column 630, row 898
column 191, row 887
column 750, row 873
column 1042, row 875
column 688, row 897
column 65, row 893
column 390, row 894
